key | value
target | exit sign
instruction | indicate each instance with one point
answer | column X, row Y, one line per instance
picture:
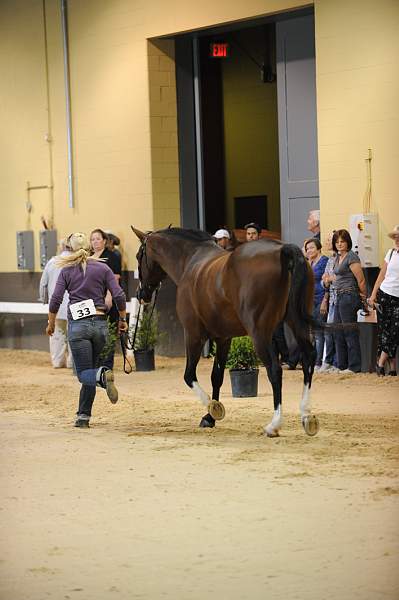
column 219, row 49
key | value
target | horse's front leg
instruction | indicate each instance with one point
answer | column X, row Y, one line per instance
column 216, row 408
column 309, row 421
column 193, row 353
column 268, row 356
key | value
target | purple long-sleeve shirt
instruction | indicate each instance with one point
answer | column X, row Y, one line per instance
column 81, row 285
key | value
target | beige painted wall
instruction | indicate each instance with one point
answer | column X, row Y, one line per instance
column 357, row 51
column 123, row 112
column 124, row 117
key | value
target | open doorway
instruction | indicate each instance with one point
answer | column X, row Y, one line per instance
column 247, row 129
column 238, row 100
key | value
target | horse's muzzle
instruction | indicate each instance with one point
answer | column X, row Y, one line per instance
column 144, row 295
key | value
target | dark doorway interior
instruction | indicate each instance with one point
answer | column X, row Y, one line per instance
column 213, row 138
column 254, row 207
column 237, row 137
column 238, row 107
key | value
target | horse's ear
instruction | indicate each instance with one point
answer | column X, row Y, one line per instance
column 139, row 233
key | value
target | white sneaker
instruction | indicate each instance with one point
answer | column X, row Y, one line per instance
column 333, row 369
column 317, row 369
column 348, row 371
column 325, row 367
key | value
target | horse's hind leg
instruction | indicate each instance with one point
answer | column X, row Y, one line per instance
column 310, row 422
column 275, row 374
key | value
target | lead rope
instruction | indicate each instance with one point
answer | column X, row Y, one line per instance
column 127, row 343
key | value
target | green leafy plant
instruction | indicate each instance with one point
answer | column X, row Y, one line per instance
column 112, row 336
column 242, row 355
column 148, row 334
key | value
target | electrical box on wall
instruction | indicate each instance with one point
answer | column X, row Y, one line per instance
column 25, row 251
column 48, row 245
column 364, row 233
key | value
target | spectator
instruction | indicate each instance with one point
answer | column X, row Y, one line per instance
column 318, row 262
column 350, row 285
column 222, row 238
column 314, row 223
column 328, row 305
column 385, row 296
column 253, row 231
column 112, row 242
column 98, row 242
column 86, row 279
column 60, row 352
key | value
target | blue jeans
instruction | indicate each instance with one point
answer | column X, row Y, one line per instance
column 331, row 357
column 87, row 338
column 319, row 335
column 347, row 341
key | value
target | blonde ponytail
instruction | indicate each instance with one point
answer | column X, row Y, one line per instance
column 80, row 246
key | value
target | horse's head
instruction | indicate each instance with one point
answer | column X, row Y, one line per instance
column 150, row 272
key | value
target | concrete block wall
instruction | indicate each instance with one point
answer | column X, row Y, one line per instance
column 357, row 49
column 163, row 117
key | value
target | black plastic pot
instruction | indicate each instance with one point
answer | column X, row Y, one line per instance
column 244, row 384
column 144, row 360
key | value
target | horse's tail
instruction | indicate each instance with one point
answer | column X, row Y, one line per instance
column 300, row 298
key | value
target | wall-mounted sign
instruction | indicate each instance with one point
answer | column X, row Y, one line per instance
column 219, row 49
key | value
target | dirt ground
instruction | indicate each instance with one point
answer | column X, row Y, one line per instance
column 146, row 505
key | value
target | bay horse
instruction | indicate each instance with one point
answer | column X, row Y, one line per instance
column 223, row 294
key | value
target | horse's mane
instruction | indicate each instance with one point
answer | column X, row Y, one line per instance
column 193, row 235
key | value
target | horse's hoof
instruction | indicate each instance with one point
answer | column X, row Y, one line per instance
column 310, row 424
column 216, row 410
column 272, row 433
column 206, row 423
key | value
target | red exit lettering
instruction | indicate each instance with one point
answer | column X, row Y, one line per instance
column 219, row 50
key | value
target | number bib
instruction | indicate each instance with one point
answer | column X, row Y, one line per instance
column 79, row 310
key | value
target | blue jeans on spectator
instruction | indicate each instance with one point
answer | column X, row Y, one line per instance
column 319, row 335
column 347, row 341
column 330, row 357
column 87, row 338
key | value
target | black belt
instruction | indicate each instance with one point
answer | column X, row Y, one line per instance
column 102, row 317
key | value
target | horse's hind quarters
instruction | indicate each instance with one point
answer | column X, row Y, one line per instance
column 310, row 424
column 216, row 410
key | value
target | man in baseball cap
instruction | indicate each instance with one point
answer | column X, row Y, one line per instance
column 222, row 238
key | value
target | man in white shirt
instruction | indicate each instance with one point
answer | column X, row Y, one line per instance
column 59, row 349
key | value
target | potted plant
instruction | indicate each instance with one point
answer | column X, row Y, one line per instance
column 242, row 363
column 112, row 336
column 147, row 337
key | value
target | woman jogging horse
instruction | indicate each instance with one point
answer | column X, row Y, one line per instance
column 87, row 280
column 221, row 295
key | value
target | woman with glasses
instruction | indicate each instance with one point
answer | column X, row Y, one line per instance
column 318, row 262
